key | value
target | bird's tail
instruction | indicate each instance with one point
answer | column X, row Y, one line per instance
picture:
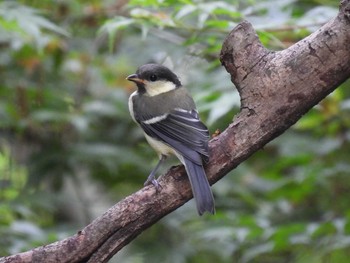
column 200, row 187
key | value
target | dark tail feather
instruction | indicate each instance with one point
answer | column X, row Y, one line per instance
column 200, row 187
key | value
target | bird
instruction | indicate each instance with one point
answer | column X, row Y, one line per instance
column 167, row 114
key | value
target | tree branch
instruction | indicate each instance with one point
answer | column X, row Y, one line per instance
column 276, row 89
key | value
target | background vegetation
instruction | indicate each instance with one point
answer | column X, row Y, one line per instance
column 69, row 150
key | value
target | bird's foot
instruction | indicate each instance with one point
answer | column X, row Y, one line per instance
column 153, row 181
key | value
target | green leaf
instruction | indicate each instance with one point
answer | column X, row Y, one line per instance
column 324, row 229
column 112, row 26
column 185, row 11
column 27, row 23
column 222, row 24
column 222, row 106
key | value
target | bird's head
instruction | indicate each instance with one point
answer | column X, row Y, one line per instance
column 154, row 79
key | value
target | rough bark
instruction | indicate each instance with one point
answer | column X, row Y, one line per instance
column 276, row 89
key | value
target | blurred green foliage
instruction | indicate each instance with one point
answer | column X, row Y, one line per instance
column 69, row 150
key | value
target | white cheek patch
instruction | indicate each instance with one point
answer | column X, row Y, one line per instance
column 154, row 88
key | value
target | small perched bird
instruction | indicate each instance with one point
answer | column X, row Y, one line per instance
column 166, row 112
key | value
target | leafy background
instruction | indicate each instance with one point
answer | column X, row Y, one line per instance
column 69, row 150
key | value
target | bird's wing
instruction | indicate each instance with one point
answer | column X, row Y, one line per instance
column 183, row 131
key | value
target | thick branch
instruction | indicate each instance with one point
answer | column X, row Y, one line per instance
column 276, row 89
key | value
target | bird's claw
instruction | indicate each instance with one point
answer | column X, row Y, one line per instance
column 154, row 182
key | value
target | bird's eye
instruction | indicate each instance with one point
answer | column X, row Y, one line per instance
column 153, row 77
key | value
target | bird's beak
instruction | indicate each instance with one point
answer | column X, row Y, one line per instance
column 136, row 79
